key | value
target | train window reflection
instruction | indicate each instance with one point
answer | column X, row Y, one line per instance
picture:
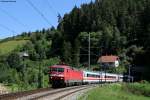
column 60, row 69
column 93, row 75
column 57, row 69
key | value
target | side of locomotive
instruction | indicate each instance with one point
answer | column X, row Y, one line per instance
column 63, row 75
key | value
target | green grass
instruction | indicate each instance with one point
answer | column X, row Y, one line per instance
column 7, row 47
column 111, row 92
column 139, row 88
column 20, row 87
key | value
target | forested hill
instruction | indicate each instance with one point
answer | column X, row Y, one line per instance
column 24, row 73
column 128, row 19
column 116, row 27
column 119, row 27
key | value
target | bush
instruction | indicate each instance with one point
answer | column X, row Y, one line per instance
column 139, row 88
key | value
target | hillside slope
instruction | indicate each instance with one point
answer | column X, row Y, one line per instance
column 8, row 46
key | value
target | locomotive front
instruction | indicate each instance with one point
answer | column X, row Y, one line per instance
column 56, row 76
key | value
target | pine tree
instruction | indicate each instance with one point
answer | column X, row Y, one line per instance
column 66, row 56
column 76, row 53
column 57, row 44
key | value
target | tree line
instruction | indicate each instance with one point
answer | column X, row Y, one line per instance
column 119, row 27
column 116, row 27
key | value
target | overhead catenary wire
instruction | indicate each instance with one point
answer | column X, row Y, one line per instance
column 82, row 1
column 39, row 12
column 58, row 9
column 7, row 28
column 91, row 53
column 51, row 7
column 76, row 1
column 13, row 18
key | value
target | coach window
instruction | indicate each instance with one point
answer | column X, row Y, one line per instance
column 87, row 75
column 60, row 69
column 97, row 76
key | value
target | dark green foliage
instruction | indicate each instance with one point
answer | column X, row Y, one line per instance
column 40, row 76
column 142, row 88
column 15, row 61
column 3, row 71
column 66, row 52
column 116, row 27
column 76, row 53
column 57, row 44
column 32, row 71
column 122, row 24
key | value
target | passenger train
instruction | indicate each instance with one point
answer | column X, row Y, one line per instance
column 63, row 75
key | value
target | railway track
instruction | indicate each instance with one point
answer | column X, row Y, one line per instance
column 13, row 96
column 45, row 93
column 66, row 96
column 56, row 94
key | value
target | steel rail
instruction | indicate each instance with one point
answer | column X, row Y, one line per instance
column 82, row 87
column 16, row 95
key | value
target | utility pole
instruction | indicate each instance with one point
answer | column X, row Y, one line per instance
column 101, row 76
column 89, row 51
column 23, row 55
column 13, row 36
column 106, row 66
column 105, row 74
column 129, row 73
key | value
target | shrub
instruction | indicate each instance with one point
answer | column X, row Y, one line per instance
column 139, row 88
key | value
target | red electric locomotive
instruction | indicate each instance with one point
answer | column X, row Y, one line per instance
column 63, row 75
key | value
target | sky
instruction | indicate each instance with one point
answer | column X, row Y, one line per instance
column 17, row 16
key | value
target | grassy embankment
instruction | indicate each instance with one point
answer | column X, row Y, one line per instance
column 139, row 88
column 8, row 46
column 119, row 92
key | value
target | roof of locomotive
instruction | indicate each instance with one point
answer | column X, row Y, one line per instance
column 64, row 66
column 60, row 66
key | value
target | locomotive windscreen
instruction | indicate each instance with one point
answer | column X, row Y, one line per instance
column 57, row 69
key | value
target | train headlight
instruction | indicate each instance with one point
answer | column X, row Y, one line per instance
column 61, row 78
